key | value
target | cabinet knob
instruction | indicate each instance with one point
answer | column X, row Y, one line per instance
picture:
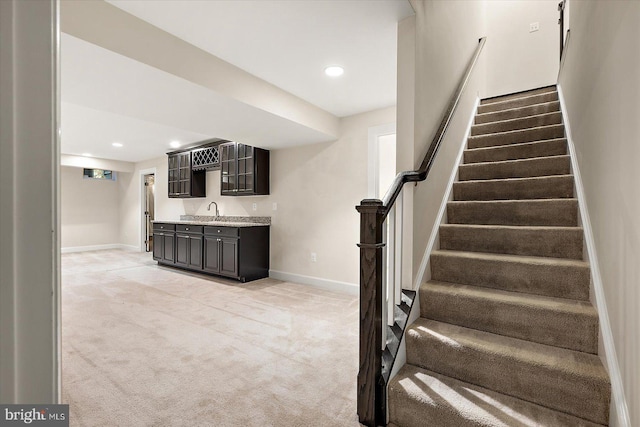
column 219, row 240
column 219, row 231
column 186, row 228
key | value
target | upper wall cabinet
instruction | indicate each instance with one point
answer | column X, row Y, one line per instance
column 184, row 182
column 244, row 170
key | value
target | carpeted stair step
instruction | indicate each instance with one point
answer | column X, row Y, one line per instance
column 545, row 187
column 523, row 168
column 556, row 242
column 521, row 101
column 553, row 277
column 514, row 113
column 549, row 212
column 558, row 322
column 419, row 398
column 565, row 380
column 517, row 124
column 527, row 150
column 516, row 95
column 540, row 133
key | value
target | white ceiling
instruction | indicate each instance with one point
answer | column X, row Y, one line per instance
column 108, row 97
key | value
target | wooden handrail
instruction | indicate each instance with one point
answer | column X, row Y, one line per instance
column 371, row 391
column 422, row 173
column 561, row 7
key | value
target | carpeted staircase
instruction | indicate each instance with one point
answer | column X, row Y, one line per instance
column 507, row 335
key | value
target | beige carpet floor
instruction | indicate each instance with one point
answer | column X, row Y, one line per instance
column 145, row 345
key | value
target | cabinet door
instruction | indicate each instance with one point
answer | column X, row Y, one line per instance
column 158, row 245
column 229, row 256
column 195, row 252
column 173, row 175
column 245, row 163
column 184, row 164
column 168, row 246
column 212, row 254
column 228, row 173
column 182, row 250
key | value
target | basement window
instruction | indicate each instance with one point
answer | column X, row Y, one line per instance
column 100, row 174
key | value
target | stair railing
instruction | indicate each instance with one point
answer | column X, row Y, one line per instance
column 561, row 7
column 380, row 271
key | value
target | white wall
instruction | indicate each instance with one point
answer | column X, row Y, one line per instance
column 316, row 188
column 29, row 223
column 517, row 59
column 405, row 129
column 436, row 81
column 601, row 90
column 90, row 210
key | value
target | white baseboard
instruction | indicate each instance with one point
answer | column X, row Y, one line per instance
column 617, row 387
column 72, row 249
column 420, row 277
column 318, row 282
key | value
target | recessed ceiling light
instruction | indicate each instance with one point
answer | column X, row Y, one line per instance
column 175, row 144
column 117, row 144
column 86, row 154
column 334, row 71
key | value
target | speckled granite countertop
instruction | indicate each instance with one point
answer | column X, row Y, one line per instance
column 222, row 221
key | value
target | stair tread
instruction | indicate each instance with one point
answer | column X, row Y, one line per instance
column 517, row 102
column 512, row 201
column 502, row 147
column 566, row 380
column 525, row 95
column 450, row 402
column 518, row 95
column 527, row 240
column 517, row 110
column 514, row 180
column 571, row 362
column 512, row 161
column 552, row 212
column 534, row 260
column 579, row 307
column 512, row 227
column 515, row 132
column 555, row 321
column 518, row 120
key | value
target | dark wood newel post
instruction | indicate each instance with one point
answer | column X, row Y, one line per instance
column 371, row 392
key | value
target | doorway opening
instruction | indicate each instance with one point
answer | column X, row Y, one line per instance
column 382, row 159
column 148, row 204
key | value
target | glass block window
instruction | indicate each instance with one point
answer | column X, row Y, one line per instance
column 99, row 174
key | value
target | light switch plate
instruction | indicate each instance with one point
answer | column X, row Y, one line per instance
column 534, row 26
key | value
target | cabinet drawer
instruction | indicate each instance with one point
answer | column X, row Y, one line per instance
column 222, row 231
column 188, row 228
column 163, row 226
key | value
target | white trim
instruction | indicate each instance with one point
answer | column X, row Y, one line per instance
column 141, row 224
column 617, row 387
column 318, row 282
column 443, row 205
column 98, row 248
column 375, row 132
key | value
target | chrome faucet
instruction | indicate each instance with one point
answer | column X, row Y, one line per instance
column 209, row 208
